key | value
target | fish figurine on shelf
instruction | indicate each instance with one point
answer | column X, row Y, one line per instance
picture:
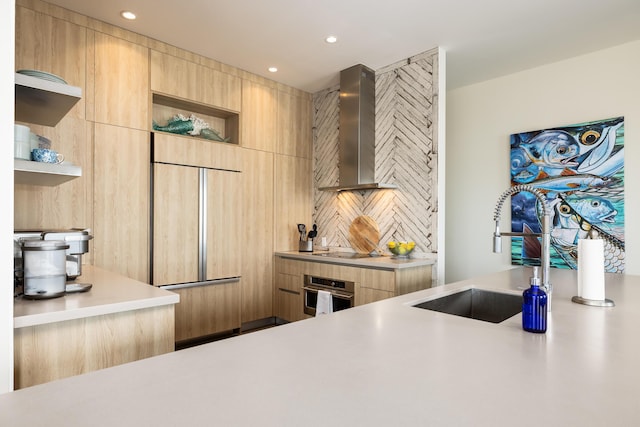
column 191, row 125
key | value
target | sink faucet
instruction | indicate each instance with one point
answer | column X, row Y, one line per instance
column 545, row 223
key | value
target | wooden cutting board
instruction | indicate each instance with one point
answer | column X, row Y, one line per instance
column 364, row 234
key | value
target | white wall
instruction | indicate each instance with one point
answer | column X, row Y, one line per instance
column 7, row 73
column 480, row 119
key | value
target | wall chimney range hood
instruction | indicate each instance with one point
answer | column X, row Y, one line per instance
column 357, row 131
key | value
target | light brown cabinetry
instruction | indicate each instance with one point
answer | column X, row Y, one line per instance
column 293, row 199
column 55, row 46
column 206, row 310
column 194, row 82
column 289, row 297
column 371, row 284
column 257, row 235
column 294, row 125
column 121, row 83
column 48, row 352
column 175, row 224
column 122, row 191
column 197, row 220
column 259, row 116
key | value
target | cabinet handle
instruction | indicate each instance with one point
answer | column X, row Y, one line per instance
column 289, row 291
column 203, row 283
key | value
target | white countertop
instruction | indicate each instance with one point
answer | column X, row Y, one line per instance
column 381, row 364
column 385, row 262
column 110, row 293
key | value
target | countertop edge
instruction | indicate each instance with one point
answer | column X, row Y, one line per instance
column 111, row 293
column 378, row 263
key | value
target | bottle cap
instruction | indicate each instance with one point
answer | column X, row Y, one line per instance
column 535, row 280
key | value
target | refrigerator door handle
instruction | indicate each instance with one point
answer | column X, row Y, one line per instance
column 203, row 283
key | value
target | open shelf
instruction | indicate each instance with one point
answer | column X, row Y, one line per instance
column 39, row 173
column 227, row 123
column 42, row 101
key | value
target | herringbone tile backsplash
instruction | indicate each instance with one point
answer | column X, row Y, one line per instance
column 406, row 155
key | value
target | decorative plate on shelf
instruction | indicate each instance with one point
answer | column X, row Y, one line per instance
column 42, row 75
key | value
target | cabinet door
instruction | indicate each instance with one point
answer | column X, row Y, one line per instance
column 257, row 231
column 259, row 112
column 294, row 125
column 175, row 228
column 194, row 82
column 121, row 201
column 224, row 224
column 206, row 310
column 121, row 87
column 289, row 297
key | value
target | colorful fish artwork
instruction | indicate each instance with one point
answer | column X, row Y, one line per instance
column 580, row 169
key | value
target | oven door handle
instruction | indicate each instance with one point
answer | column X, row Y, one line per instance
column 332, row 292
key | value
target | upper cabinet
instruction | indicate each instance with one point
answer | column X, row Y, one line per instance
column 259, row 112
column 194, row 82
column 182, row 87
column 120, row 83
column 294, row 125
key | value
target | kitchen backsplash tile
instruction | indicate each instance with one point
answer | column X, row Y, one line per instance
column 406, row 155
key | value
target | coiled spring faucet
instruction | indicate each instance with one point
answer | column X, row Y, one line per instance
column 545, row 226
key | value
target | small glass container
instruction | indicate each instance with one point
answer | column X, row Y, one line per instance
column 45, row 268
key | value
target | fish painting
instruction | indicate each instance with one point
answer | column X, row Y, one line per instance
column 580, row 170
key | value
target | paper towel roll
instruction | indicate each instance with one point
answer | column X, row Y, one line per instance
column 324, row 305
column 591, row 269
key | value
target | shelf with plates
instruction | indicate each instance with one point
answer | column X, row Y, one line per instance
column 43, row 100
column 40, row 173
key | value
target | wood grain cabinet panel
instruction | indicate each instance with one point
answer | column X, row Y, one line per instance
column 175, row 224
column 293, row 200
column 225, row 247
column 259, row 113
column 194, row 82
column 289, row 297
column 206, row 310
column 257, row 235
column 52, row 351
column 121, row 83
column 55, row 46
column 294, row 137
column 122, row 201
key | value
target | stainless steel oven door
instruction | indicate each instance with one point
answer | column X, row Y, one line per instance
column 341, row 300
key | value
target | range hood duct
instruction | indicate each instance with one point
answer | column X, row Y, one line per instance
column 357, row 131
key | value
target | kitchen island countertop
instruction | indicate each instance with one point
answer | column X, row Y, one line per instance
column 381, row 364
column 110, row 293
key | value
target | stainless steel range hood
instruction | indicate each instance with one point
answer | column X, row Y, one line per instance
column 357, row 131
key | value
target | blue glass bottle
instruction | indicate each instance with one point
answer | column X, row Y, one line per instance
column 534, row 306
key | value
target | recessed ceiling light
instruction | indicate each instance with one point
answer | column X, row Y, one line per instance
column 273, row 69
column 127, row 14
column 331, row 39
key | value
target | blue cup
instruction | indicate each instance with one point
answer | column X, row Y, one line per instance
column 46, row 155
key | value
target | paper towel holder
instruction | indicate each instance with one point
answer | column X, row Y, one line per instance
column 593, row 234
column 593, row 302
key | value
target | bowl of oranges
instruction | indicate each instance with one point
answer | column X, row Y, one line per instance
column 401, row 249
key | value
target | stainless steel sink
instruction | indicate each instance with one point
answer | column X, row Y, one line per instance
column 479, row 304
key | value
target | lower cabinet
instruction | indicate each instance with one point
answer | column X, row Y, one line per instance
column 52, row 351
column 370, row 285
column 289, row 297
column 207, row 309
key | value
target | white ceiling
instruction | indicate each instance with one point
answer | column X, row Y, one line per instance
column 483, row 38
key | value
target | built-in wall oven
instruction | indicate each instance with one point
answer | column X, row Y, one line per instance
column 341, row 293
